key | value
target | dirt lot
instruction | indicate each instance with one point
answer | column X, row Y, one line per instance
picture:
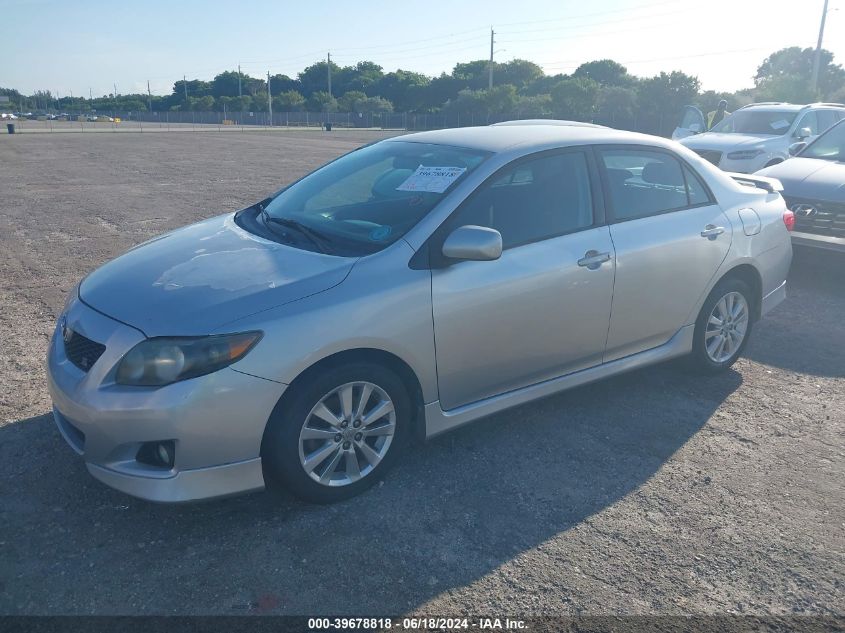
column 653, row 492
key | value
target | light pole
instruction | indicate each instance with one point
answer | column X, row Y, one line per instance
column 817, row 60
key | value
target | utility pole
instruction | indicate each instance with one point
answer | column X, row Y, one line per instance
column 185, row 85
column 817, row 60
column 329, row 66
column 115, row 89
column 269, row 99
column 90, row 97
column 149, row 97
column 239, row 81
column 490, row 68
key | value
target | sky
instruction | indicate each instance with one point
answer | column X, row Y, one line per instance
column 77, row 46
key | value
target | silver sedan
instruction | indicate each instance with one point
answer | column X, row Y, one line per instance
column 403, row 290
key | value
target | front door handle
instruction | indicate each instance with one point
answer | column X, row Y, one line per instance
column 593, row 259
column 711, row 231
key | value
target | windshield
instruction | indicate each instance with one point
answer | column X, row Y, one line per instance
column 774, row 122
column 829, row 146
column 371, row 197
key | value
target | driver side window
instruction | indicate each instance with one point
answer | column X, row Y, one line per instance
column 533, row 200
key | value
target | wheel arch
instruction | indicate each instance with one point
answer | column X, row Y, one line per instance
column 748, row 274
column 369, row 355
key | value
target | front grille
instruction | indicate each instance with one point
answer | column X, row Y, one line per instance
column 710, row 155
column 823, row 218
column 82, row 351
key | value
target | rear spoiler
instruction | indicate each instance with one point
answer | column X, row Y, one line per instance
column 772, row 185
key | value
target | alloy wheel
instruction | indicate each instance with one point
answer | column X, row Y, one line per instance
column 347, row 434
column 726, row 327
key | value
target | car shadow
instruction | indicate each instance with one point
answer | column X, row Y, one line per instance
column 452, row 512
column 794, row 339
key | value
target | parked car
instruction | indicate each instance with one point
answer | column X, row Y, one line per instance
column 757, row 135
column 404, row 290
column 814, row 189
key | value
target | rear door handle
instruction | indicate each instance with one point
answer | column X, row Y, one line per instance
column 593, row 259
column 711, row 231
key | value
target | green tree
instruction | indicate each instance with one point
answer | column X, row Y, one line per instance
column 605, row 72
column 373, row 104
column 617, row 106
column 282, row 83
column 226, row 84
column 786, row 74
column 501, row 100
column 517, row 72
column 289, row 101
column 661, row 99
column 314, row 78
column 405, row 89
column 533, row 106
column 348, row 102
column 321, row 101
column 575, row 98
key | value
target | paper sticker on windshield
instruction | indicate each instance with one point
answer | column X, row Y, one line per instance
column 779, row 124
column 431, row 179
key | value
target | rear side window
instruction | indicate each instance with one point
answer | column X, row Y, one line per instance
column 533, row 200
column 697, row 191
column 644, row 182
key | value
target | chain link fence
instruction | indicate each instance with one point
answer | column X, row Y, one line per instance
column 197, row 121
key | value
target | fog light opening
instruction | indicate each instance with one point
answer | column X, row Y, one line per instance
column 158, row 454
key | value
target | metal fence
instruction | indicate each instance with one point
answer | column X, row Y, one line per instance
column 174, row 120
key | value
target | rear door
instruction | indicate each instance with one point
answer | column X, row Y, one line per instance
column 670, row 238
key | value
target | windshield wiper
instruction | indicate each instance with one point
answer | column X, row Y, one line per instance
column 315, row 237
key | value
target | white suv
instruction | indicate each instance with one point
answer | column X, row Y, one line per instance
column 757, row 135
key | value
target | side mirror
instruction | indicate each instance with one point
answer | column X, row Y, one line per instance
column 804, row 132
column 474, row 243
column 796, row 147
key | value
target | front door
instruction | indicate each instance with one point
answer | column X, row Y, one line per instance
column 542, row 309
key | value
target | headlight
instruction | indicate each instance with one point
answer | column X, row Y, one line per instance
column 161, row 361
column 746, row 154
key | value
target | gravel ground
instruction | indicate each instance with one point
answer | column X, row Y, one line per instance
column 650, row 493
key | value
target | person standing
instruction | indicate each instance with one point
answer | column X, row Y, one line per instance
column 717, row 115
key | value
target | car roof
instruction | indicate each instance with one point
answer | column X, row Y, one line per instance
column 547, row 122
column 779, row 107
column 499, row 138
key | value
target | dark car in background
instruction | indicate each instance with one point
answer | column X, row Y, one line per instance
column 814, row 189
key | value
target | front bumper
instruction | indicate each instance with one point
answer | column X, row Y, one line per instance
column 215, row 421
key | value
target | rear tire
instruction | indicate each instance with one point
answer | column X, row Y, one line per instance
column 722, row 328
column 323, row 444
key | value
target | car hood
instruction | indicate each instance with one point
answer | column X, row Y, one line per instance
column 723, row 142
column 811, row 178
column 198, row 278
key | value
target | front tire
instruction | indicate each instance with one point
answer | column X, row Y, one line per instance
column 337, row 433
column 723, row 327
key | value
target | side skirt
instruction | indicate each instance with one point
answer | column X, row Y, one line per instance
column 438, row 421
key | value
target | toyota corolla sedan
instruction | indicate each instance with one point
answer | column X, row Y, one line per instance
column 401, row 291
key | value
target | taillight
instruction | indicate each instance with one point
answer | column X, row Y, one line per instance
column 789, row 220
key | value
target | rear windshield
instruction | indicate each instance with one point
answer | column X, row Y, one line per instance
column 371, row 197
column 773, row 122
